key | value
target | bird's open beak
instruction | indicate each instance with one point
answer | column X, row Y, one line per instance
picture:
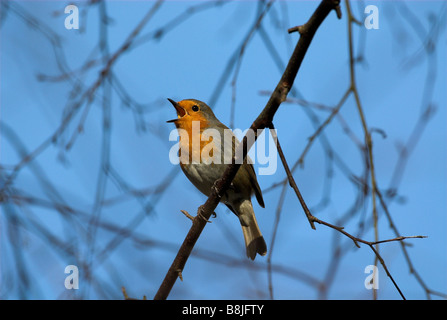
column 180, row 111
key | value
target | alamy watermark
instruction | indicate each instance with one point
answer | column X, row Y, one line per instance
column 72, row 20
column 372, row 280
column 372, row 20
column 72, row 280
column 211, row 146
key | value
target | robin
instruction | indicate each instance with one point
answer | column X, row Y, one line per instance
column 194, row 117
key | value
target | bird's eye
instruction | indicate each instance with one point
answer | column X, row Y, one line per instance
column 195, row 108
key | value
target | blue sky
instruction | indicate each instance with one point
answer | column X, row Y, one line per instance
column 112, row 174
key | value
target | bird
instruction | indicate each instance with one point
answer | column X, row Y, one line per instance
column 194, row 118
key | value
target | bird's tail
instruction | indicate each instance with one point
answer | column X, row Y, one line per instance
column 254, row 241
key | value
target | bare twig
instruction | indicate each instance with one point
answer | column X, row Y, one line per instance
column 291, row 179
column 186, row 213
column 313, row 219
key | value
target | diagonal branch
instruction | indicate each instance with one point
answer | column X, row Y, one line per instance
column 312, row 219
column 265, row 118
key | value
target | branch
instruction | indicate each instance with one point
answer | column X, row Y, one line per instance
column 264, row 119
column 312, row 219
column 291, row 179
column 371, row 244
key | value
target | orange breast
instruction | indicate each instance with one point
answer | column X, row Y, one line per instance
column 193, row 127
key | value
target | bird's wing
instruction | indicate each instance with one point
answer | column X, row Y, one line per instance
column 254, row 184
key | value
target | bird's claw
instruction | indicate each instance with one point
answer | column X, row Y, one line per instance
column 200, row 215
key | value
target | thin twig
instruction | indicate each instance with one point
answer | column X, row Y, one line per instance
column 312, row 219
